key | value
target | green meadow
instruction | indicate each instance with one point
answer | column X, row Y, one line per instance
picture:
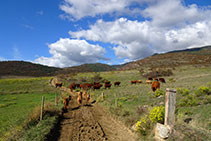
column 18, row 98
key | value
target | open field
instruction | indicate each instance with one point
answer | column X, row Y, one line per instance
column 130, row 97
column 18, row 98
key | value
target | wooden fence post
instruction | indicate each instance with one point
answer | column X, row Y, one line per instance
column 42, row 107
column 170, row 101
column 56, row 100
column 103, row 96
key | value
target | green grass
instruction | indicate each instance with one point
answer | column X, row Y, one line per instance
column 16, row 105
column 25, row 85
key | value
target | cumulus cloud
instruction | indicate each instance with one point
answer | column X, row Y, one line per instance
column 68, row 52
column 135, row 40
column 174, row 13
column 83, row 8
column 172, row 26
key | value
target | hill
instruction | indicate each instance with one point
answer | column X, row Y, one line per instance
column 22, row 68
column 194, row 56
column 98, row 67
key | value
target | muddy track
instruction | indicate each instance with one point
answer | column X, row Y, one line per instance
column 89, row 122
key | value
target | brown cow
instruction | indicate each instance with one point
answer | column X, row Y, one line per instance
column 117, row 83
column 58, row 84
column 148, row 81
column 66, row 103
column 133, row 81
column 155, row 85
column 77, row 85
column 72, row 86
column 162, row 80
column 88, row 86
column 155, row 79
column 96, row 83
column 138, row 81
column 107, row 85
column 97, row 86
column 79, row 98
column 108, row 82
column 87, row 96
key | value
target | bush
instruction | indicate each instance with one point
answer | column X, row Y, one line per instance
column 146, row 123
column 158, row 73
column 207, row 99
column 203, row 91
column 143, row 125
column 190, row 100
column 183, row 92
column 159, row 92
column 157, row 114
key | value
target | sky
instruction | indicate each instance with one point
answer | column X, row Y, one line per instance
column 65, row 33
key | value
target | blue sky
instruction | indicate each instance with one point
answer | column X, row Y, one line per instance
column 65, row 33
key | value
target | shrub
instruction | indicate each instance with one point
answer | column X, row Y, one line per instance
column 207, row 99
column 146, row 122
column 157, row 114
column 190, row 100
column 159, row 92
column 183, row 92
column 159, row 72
column 143, row 125
column 203, row 91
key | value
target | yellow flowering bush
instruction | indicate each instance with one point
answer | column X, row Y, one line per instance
column 143, row 125
column 157, row 114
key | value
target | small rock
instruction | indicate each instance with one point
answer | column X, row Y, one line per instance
column 162, row 131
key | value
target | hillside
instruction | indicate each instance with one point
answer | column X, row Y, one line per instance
column 22, row 68
column 194, row 56
column 98, row 67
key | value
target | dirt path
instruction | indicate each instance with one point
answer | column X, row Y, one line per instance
column 90, row 122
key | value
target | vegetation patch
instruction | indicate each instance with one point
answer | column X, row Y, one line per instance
column 146, row 123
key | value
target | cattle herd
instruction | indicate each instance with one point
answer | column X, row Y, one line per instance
column 155, row 84
column 94, row 86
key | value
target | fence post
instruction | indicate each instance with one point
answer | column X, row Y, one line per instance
column 56, row 100
column 42, row 107
column 103, row 96
column 170, row 101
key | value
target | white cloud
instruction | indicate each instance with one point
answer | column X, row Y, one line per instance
column 68, row 52
column 174, row 13
column 135, row 40
column 77, row 9
column 172, row 26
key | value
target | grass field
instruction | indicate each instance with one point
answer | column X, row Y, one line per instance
column 130, row 97
column 18, row 98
